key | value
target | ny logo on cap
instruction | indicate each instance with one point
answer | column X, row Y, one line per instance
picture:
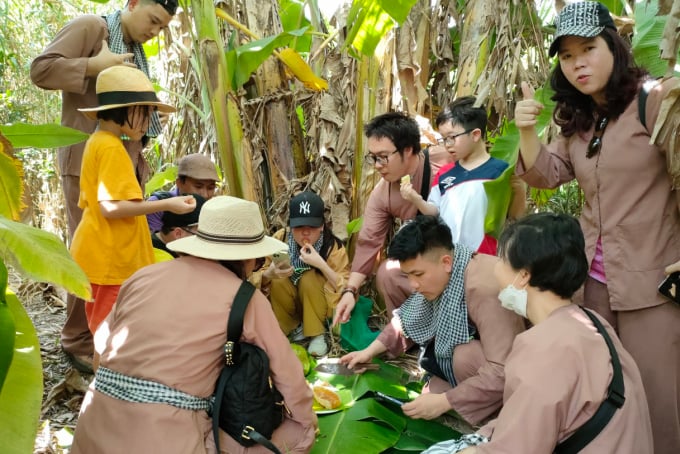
column 305, row 207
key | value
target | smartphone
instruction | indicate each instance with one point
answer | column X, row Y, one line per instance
column 670, row 287
column 390, row 399
column 281, row 259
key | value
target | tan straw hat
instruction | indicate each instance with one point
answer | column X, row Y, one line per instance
column 229, row 228
column 122, row 86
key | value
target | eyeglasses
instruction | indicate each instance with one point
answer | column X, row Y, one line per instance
column 451, row 140
column 596, row 142
column 190, row 230
column 373, row 159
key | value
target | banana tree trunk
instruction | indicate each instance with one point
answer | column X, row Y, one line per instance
column 474, row 48
column 236, row 165
column 413, row 58
column 284, row 151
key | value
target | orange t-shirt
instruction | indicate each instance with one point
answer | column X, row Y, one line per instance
column 109, row 250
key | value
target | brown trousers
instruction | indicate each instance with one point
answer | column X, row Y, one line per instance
column 304, row 303
column 76, row 338
column 652, row 337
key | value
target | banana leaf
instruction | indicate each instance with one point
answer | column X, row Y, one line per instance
column 292, row 16
column 41, row 256
column 11, row 171
column 648, row 35
column 421, row 434
column 22, row 135
column 371, row 20
column 21, row 394
column 506, row 148
column 160, row 179
column 245, row 59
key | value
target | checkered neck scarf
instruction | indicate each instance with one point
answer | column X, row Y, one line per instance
column 118, row 46
column 296, row 261
column 444, row 319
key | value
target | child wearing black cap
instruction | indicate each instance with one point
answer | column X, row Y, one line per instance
column 304, row 291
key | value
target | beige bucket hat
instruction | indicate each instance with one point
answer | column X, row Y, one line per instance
column 229, row 228
column 122, row 86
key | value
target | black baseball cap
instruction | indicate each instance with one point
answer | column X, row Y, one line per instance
column 306, row 209
column 586, row 19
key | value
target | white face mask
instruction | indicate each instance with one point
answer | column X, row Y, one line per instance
column 514, row 299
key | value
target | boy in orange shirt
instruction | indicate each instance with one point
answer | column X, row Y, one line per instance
column 112, row 241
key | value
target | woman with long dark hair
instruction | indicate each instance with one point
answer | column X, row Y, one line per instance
column 630, row 219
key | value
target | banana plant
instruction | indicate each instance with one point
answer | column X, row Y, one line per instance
column 36, row 255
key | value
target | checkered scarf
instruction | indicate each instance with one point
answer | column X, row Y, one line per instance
column 118, row 46
column 131, row 389
column 296, row 262
column 444, row 319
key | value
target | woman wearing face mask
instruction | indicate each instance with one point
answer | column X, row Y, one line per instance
column 558, row 372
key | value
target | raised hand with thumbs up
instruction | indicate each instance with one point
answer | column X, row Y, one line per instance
column 526, row 117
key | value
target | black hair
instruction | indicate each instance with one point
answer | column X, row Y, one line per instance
column 169, row 5
column 121, row 115
column 551, row 247
column 463, row 112
column 401, row 129
column 420, row 236
column 235, row 266
column 575, row 111
column 329, row 240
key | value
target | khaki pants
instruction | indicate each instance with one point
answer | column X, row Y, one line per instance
column 304, row 303
column 652, row 337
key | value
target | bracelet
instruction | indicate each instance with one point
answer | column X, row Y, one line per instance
column 349, row 289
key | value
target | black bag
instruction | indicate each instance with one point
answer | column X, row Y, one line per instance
column 247, row 404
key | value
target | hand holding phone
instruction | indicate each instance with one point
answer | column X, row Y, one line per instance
column 281, row 259
column 670, row 287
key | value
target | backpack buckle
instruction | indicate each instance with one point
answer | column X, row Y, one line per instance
column 229, row 353
column 246, row 431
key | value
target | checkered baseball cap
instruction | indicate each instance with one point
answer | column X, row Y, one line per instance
column 586, row 19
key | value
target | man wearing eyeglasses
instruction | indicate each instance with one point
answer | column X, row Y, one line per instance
column 174, row 226
column 394, row 149
column 458, row 195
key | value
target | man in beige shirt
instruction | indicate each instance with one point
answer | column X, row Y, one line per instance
column 455, row 316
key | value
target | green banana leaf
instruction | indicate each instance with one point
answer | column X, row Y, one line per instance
column 421, row 434
column 41, row 256
column 160, row 179
column 648, row 34
column 21, row 394
column 23, row 135
column 506, row 148
column 292, row 14
column 245, row 59
column 7, row 328
column 371, row 20
column 10, row 184
column 369, row 425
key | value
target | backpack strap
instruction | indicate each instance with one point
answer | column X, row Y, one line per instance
column 615, row 400
column 645, row 88
column 425, row 185
column 234, row 331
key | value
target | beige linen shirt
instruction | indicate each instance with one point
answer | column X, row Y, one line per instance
column 628, row 202
column 555, row 379
column 169, row 325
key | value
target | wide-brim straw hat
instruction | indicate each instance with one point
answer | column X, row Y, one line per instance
column 229, row 228
column 123, row 86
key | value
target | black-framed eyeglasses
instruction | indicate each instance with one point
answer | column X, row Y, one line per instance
column 596, row 142
column 373, row 159
column 451, row 140
column 190, row 230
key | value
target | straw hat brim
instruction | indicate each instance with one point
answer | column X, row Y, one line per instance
column 91, row 112
column 198, row 247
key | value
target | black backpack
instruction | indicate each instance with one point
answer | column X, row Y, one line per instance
column 247, row 404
